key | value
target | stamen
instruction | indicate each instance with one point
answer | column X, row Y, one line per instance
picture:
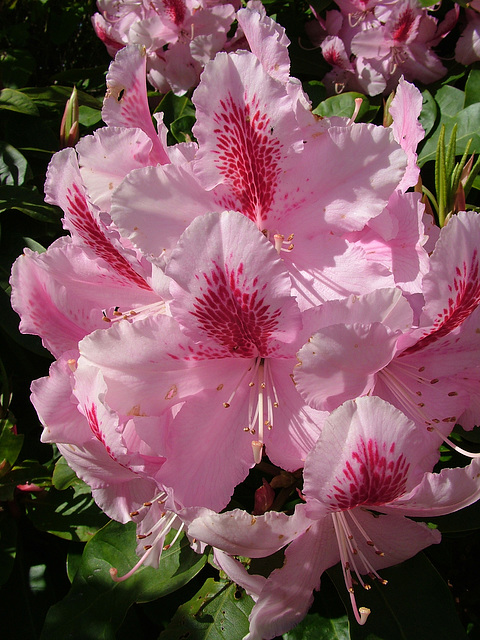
column 358, row 104
column 180, row 529
column 72, row 365
column 350, row 556
column 454, row 446
column 163, row 526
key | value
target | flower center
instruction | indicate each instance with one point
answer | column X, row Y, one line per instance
column 262, row 401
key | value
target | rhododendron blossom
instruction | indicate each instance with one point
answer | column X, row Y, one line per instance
column 426, row 371
column 360, row 481
column 179, row 35
column 371, row 45
column 262, row 299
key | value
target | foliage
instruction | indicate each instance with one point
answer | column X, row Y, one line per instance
column 47, row 515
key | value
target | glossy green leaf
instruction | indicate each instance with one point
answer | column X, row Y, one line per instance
column 96, row 605
column 181, row 128
column 70, row 514
column 219, row 610
column 63, row 476
column 13, row 166
column 315, row 627
column 472, row 88
column 416, row 603
column 342, row 105
column 14, row 100
column 58, row 96
column 450, row 102
column 29, row 201
column 16, row 67
column 89, row 117
column 429, row 111
column 10, row 445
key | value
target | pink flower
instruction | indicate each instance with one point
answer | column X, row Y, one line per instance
column 373, row 345
column 370, row 45
column 179, row 36
column 360, row 481
column 226, row 350
column 467, row 49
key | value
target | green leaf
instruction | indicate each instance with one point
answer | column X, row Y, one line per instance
column 428, row 114
column 89, row 117
column 219, row 610
column 29, row 201
column 14, row 100
column 314, row 627
column 57, row 96
column 416, row 603
column 63, row 476
column 342, row 105
column 181, row 128
column 472, row 88
column 96, row 605
column 70, row 514
column 174, row 107
column 10, row 445
column 16, row 67
column 316, row 92
column 450, row 103
column 13, row 166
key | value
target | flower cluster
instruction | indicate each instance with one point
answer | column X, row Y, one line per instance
column 180, row 36
column 268, row 291
column 370, row 44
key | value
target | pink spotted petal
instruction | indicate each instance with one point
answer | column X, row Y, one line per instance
column 244, row 305
column 150, row 365
column 106, row 157
column 64, row 294
column 361, row 165
column 116, row 489
column 65, row 188
column 56, row 407
column 357, row 462
column 398, row 538
column 237, row 572
column 452, row 293
column 331, row 267
column 207, row 457
column 126, row 103
column 442, row 493
column 296, row 426
column 247, row 133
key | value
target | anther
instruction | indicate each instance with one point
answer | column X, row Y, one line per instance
column 72, row 365
column 133, row 514
column 226, row 405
